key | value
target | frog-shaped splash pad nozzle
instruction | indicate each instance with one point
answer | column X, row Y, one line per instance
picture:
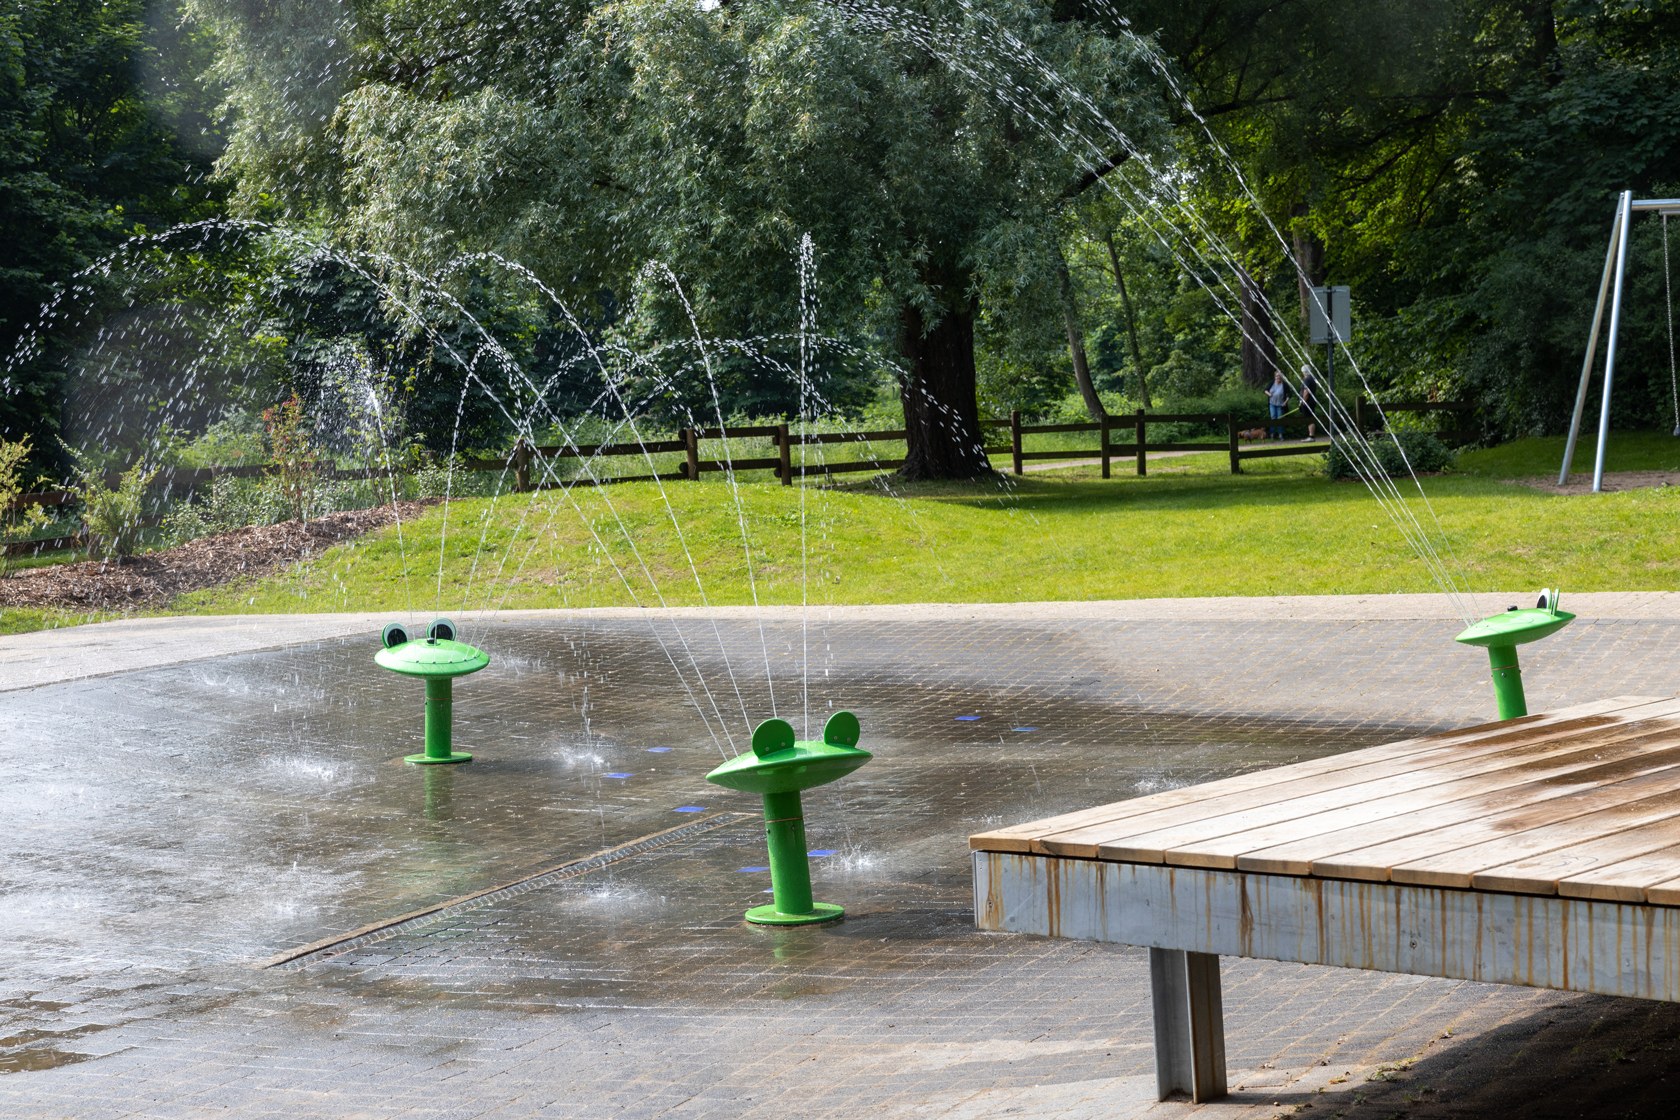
column 437, row 659
column 1502, row 634
column 778, row 767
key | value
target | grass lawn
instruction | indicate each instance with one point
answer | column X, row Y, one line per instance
column 1541, row 457
column 1189, row 529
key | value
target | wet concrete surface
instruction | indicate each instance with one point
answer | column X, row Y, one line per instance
column 171, row 829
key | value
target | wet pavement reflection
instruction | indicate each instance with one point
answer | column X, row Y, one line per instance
column 170, row 830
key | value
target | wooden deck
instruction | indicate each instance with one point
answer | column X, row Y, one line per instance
column 1541, row 851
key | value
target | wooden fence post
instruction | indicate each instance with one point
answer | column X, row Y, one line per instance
column 1103, row 427
column 521, row 466
column 1142, row 444
column 1236, row 451
column 786, row 468
column 691, row 445
column 1359, row 415
column 1015, row 437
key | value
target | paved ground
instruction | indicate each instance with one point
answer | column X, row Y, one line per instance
column 227, row 793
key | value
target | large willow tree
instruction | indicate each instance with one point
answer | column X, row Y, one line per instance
column 926, row 149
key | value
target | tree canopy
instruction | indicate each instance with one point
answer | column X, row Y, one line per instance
column 1001, row 199
column 102, row 135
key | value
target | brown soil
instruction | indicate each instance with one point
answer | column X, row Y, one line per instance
column 156, row 578
column 1581, row 482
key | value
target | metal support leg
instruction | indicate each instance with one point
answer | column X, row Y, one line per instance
column 1610, row 347
column 1189, row 1024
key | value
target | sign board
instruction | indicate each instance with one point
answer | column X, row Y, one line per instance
column 1328, row 315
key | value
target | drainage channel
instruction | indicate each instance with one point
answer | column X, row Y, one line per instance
column 537, row 880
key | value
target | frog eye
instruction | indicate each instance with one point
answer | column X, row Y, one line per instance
column 393, row 635
column 842, row 729
column 772, row 735
column 441, row 630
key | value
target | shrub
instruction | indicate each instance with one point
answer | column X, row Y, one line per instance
column 111, row 515
column 1423, row 450
column 232, row 503
column 15, row 522
column 293, row 456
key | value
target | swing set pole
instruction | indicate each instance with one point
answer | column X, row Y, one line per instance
column 1610, row 287
column 1610, row 347
column 1592, row 339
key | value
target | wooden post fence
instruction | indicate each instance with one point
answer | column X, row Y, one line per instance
column 786, row 446
column 522, row 466
column 1107, row 449
column 1015, row 437
column 691, row 445
column 1142, row 443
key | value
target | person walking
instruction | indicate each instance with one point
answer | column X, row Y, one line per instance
column 1277, row 396
column 1309, row 399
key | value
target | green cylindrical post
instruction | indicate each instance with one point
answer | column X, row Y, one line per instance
column 1501, row 634
column 790, row 870
column 777, row 768
column 437, row 659
column 440, row 712
column 1507, row 682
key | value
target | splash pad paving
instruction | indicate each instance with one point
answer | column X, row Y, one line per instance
column 556, row 929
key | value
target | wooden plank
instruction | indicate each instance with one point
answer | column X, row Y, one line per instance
column 1031, row 456
column 745, row 432
column 1046, row 429
column 1619, row 809
column 1274, row 452
column 741, row 465
column 1616, row 868
column 1616, row 882
column 809, row 438
column 1295, row 857
column 1396, row 775
column 1220, row 841
column 1666, row 893
column 847, row 468
column 1449, row 856
column 1599, row 713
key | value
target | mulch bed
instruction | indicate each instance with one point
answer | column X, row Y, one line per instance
column 156, row 578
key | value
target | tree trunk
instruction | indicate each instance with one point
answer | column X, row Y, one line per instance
column 1131, row 320
column 1259, row 334
column 1076, row 340
column 1309, row 260
column 941, row 419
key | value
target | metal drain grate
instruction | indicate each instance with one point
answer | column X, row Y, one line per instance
column 537, row 880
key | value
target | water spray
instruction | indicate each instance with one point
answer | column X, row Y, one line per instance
column 779, row 767
column 437, row 659
column 1502, row 633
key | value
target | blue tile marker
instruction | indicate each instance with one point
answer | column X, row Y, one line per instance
column 818, row 853
column 689, row 809
column 1023, row 729
column 659, row 750
column 621, row 775
column 967, row 719
column 751, row 870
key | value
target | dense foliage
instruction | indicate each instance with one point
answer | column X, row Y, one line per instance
column 539, row 210
column 102, row 136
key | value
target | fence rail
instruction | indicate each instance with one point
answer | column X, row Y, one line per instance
column 524, row 456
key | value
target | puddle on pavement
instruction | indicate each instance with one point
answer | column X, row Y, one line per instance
column 279, row 816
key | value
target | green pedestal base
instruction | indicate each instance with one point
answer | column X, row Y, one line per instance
column 770, row 916
column 439, row 760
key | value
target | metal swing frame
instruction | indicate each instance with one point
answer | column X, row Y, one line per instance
column 1609, row 290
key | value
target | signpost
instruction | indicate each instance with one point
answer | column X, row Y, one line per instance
column 1330, row 320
